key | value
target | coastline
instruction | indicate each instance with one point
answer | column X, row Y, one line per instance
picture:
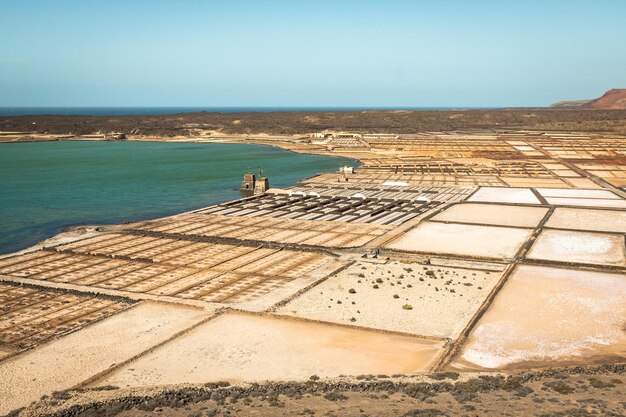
column 75, row 232
column 287, row 142
column 254, row 271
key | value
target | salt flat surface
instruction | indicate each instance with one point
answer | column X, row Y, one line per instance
column 534, row 182
column 582, row 247
column 554, row 166
column 588, row 219
column 587, row 202
column 462, row 239
column 566, row 173
column 504, row 195
column 246, row 347
column 583, row 183
column 559, row 192
column 493, row 214
column 544, row 315
column 442, row 299
column 70, row 360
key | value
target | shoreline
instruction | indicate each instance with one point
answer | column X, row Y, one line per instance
column 284, row 144
column 66, row 232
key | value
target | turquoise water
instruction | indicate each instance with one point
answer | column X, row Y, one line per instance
column 47, row 186
column 134, row 111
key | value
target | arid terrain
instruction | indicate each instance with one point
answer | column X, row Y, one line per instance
column 581, row 392
column 298, row 122
column 473, row 264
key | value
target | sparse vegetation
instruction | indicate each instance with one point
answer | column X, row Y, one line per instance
column 335, row 396
column 598, row 383
column 559, row 386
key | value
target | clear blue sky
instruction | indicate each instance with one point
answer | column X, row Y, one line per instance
column 309, row 53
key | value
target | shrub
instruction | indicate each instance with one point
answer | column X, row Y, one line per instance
column 425, row 412
column 61, row 395
column 559, row 386
column 597, row 383
column 335, row 396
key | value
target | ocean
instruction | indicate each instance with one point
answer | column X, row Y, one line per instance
column 47, row 186
column 139, row 111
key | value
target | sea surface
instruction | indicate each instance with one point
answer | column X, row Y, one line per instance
column 142, row 111
column 47, row 186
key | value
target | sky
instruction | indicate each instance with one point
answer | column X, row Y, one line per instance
column 438, row 53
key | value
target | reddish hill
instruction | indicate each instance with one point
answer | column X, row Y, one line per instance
column 611, row 100
column 614, row 99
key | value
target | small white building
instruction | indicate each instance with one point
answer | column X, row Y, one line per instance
column 346, row 170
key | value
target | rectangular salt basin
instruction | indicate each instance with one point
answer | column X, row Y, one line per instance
column 462, row 239
column 545, row 316
column 246, row 347
column 567, row 173
column 554, row 166
column 583, row 183
column 587, row 202
column 493, row 214
column 579, row 247
column 504, row 195
column 444, row 299
column 577, row 193
column 534, row 182
column 588, row 219
column 65, row 362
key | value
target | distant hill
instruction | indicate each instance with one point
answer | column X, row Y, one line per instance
column 614, row 99
column 569, row 104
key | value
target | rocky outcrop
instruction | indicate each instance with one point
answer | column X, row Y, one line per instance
column 614, row 99
column 611, row 100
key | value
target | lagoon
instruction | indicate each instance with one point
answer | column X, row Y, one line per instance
column 48, row 186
